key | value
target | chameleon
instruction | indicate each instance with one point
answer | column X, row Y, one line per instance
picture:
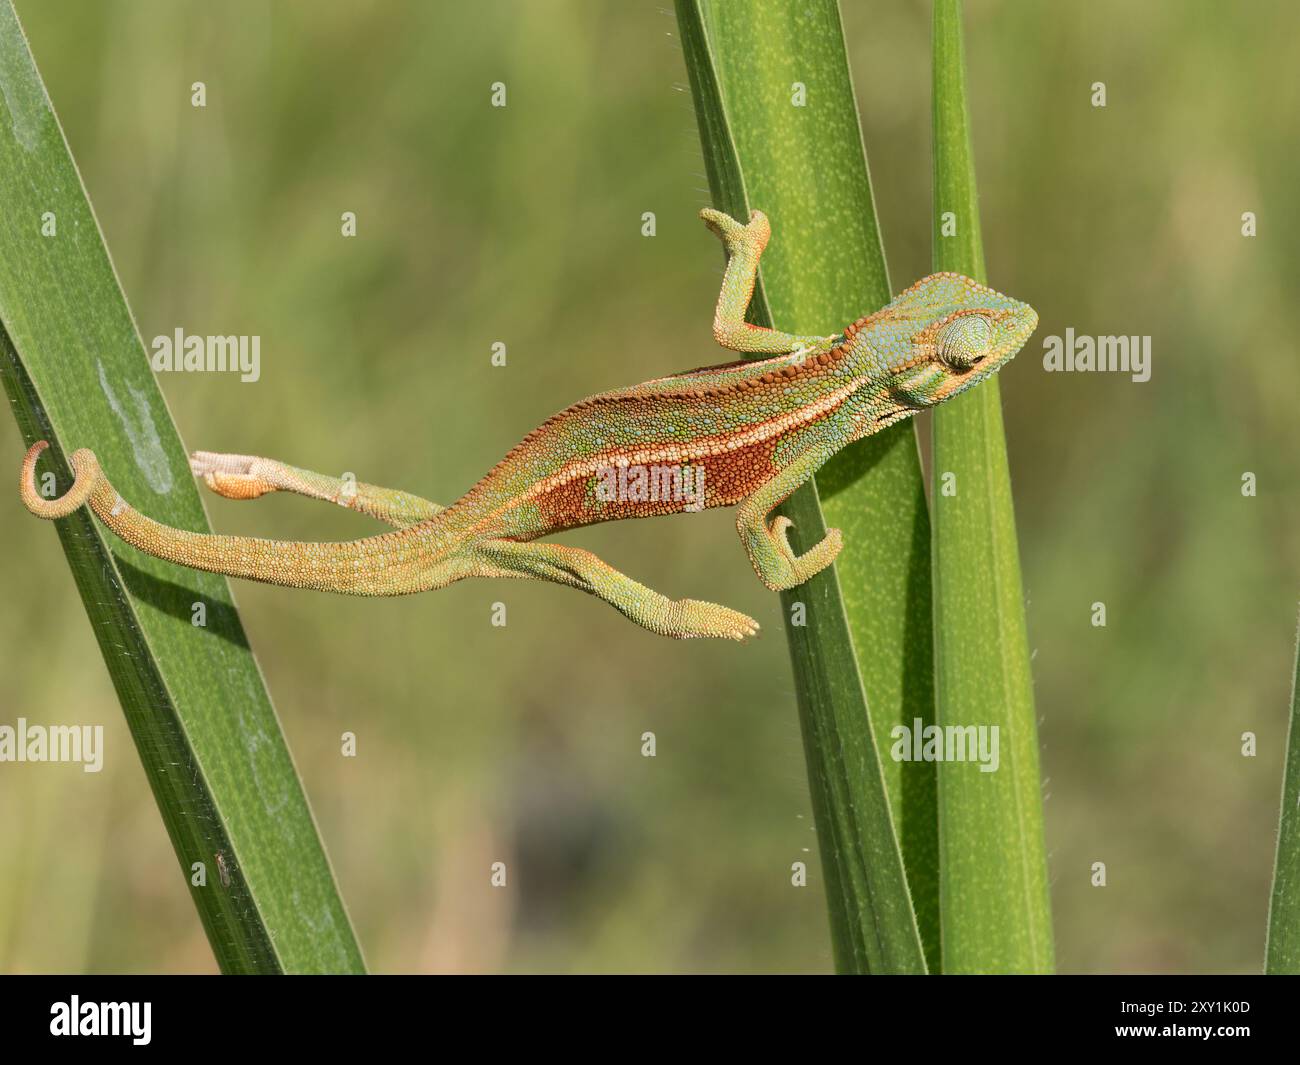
column 743, row 434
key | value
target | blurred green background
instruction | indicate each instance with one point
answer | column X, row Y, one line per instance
column 522, row 225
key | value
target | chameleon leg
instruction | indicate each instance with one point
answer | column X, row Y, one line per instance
column 769, row 547
column 247, row 477
column 679, row 618
column 745, row 244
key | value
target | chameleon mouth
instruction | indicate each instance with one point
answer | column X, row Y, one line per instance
column 896, row 414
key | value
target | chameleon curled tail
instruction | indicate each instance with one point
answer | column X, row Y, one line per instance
column 87, row 471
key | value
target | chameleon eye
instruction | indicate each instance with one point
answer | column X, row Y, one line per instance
column 965, row 340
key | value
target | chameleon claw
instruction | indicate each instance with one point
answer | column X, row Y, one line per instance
column 720, row 222
column 781, row 526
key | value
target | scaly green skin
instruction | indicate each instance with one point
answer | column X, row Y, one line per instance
column 756, row 429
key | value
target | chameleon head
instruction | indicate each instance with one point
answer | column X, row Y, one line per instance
column 943, row 335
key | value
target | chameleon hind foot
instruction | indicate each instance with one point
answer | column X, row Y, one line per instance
column 248, row 477
column 687, row 618
column 233, row 476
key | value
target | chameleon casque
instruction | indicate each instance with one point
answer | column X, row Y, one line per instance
column 747, row 433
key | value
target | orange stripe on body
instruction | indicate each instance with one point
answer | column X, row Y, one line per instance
column 735, row 465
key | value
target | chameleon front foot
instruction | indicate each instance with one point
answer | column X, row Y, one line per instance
column 776, row 563
column 737, row 235
column 815, row 559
